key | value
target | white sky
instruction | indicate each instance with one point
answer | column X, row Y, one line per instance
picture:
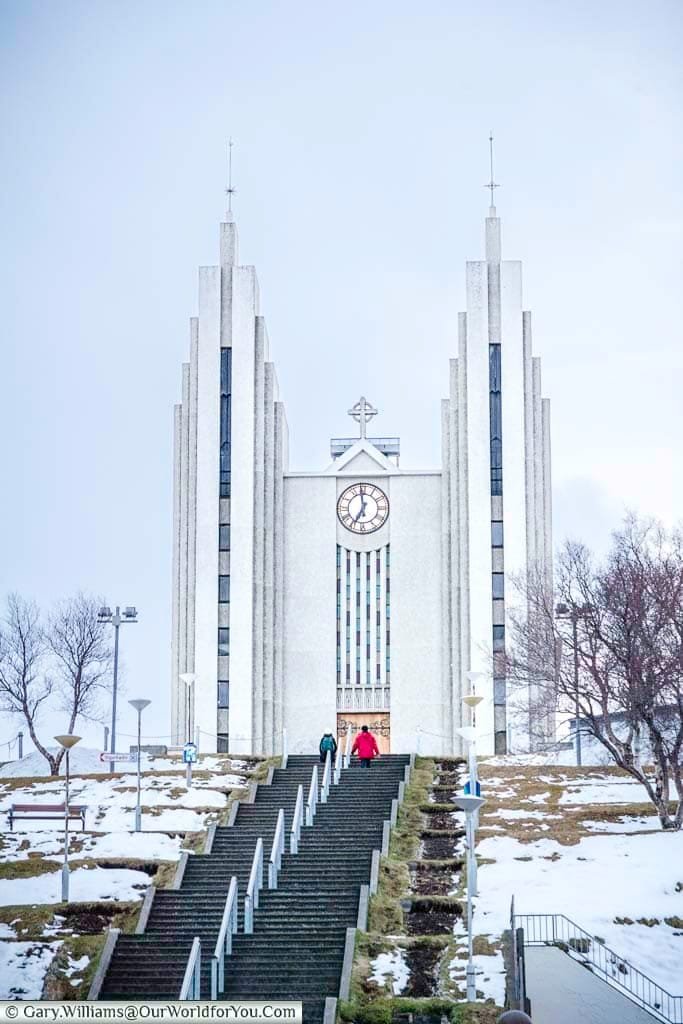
column 360, row 157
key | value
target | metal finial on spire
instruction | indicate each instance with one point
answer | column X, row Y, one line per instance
column 491, row 185
column 230, row 191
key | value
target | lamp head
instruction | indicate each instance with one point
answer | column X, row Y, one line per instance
column 468, row 804
column 104, row 614
column 130, row 613
column 187, row 677
column 67, row 741
column 473, row 676
column 471, row 699
column 139, row 705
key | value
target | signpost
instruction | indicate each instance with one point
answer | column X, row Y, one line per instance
column 106, row 756
column 189, row 758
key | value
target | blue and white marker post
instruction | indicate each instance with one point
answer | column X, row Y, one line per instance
column 189, row 758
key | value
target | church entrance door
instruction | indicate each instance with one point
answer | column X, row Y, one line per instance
column 378, row 723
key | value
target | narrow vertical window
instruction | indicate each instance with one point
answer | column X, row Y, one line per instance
column 225, row 421
column 496, row 420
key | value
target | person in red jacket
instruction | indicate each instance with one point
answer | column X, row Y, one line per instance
column 365, row 745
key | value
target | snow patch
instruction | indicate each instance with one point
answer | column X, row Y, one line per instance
column 391, row 967
column 23, row 966
column 86, row 885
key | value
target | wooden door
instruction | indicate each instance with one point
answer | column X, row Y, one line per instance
column 378, row 722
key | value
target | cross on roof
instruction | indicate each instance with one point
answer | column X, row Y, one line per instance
column 361, row 412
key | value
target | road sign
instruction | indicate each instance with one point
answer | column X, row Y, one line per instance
column 190, row 753
column 467, row 788
column 117, row 757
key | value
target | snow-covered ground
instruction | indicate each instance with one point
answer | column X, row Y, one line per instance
column 86, row 885
column 391, row 967
column 593, row 879
column 23, row 966
column 86, row 761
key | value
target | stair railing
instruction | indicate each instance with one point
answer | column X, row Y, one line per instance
column 224, row 941
column 338, row 762
column 285, row 753
column 297, row 821
column 327, row 776
column 347, row 748
column 190, row 988
column 277, row 849
column 312, row 803
column 254, row 887
column 558, row 930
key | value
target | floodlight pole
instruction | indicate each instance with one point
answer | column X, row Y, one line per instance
column 105, row 615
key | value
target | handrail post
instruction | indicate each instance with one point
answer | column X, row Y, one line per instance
column 191, row 986
column 312, row 796
column 277, row 850
column 295, row 831
column 224, row 940
column 338, row 762
column 347, row 747
column 255, row 884
column 327, row 773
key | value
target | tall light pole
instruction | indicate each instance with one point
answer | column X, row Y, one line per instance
column 66, row 742
column 470, row 805
column 117, row 619
column 576, row 612
column 139, row 706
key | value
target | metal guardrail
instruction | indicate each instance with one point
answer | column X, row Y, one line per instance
column 327, row 777
column 297, row 821
column 190, row 988
column 558, row 930
column 224, row 941
column 254, row 887
column 338, row 763
column 312, row 802
column 277, row 849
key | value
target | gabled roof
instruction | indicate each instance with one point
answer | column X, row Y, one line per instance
column 363, row 458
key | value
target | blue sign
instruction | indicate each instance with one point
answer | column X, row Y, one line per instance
column 467, row 789
column 190, row 753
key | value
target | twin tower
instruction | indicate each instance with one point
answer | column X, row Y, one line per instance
column 362, row 592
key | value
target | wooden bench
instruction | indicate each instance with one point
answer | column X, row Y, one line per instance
column 45, row 812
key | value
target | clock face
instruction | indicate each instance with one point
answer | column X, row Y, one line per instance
column 363, row 508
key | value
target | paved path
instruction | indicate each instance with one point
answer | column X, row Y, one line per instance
column 563, row 992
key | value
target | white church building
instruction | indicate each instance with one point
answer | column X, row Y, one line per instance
column 361, row 592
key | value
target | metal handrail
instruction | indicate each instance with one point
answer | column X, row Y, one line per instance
column 277, row 849
column 347, row 747
column 558, row 930
column 224, row 941
column 327, row 776
column 312, row 802
column 190, row 988
column 285, row 753
column 254, row 887
column 297, row 821
column 338, row 762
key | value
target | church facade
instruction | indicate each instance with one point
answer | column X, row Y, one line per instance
column 362, row 592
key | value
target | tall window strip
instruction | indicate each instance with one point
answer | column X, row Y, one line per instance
column 378, row 614
column 224, row 469
column 348, row 618
column 496, row 420
column 339, row 616
column 387, row 589
column 357, row 618
column 368, row 623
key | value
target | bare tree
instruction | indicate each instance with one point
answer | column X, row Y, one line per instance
column 622, row 629
column 62, row 665
column 24, row 686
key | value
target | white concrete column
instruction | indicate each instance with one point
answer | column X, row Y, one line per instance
column 258, row 693
column 176, row 703
column 448, row 577
column 281, row 462
column 529, row 446
column 463, row 540
column 272, row 741
column 192, row 495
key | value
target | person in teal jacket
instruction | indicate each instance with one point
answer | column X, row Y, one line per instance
column 328, row 742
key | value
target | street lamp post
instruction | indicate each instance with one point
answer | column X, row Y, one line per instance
column 563, row 611
column 470, row 805
column 188, row 678
column 130, row 615
column 139, row 706
column 66, row 742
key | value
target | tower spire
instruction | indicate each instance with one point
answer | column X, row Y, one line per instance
column 230, row 190
column 491, row 184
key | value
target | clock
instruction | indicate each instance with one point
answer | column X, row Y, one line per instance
column 363, row 508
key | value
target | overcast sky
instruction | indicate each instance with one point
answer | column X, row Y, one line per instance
column 361, row 151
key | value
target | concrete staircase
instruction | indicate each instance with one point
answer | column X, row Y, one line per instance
column 297, row 948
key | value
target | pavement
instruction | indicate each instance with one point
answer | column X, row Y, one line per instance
column 563, row 992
